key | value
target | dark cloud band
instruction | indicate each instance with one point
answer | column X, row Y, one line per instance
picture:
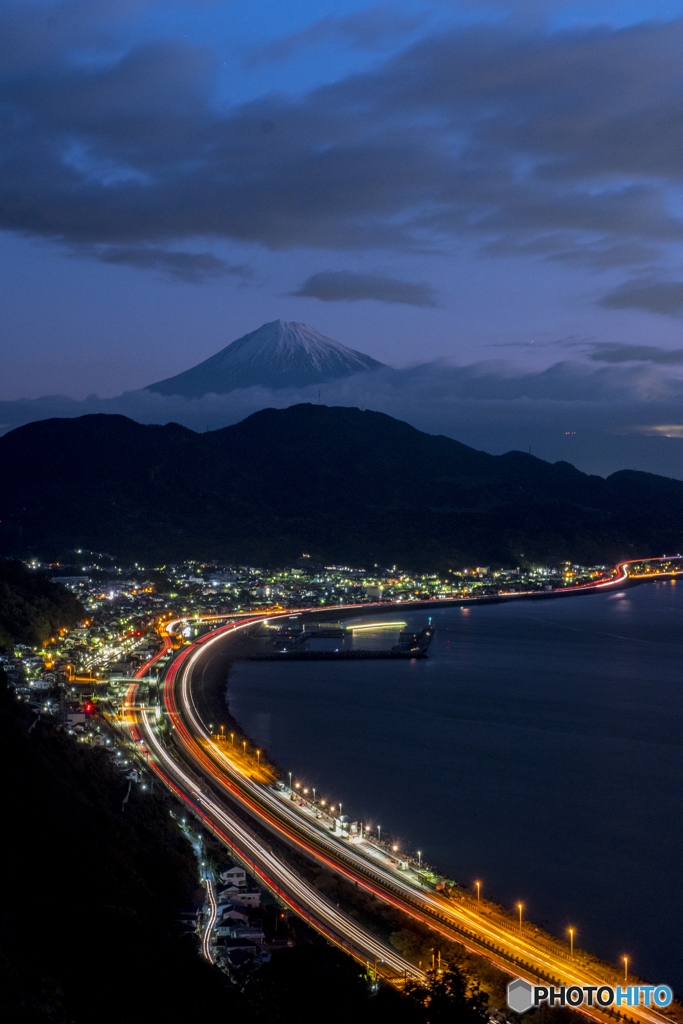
column 566, row 144
column 653, row 296
column 606, row 352
column 191, row 267
column 345, row 286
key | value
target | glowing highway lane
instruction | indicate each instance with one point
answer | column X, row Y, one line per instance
column 502, row 943
column 511, row 948
column 294, row 892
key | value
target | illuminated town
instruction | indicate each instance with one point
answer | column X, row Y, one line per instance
column 121, row 679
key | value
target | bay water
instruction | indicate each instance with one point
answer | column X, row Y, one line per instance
column 538, row 749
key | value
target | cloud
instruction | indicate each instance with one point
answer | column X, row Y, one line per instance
column 346, row 286
column 599, row 254
column 564, row 144
column 191, row 267
column 364, row 30
column 611, row 352
column 649, row 294
column 663, row 430
column 600, row 418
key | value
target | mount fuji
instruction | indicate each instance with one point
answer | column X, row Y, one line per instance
column 281, row 354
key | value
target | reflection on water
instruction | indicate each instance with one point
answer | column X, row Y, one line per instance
column 538, row 748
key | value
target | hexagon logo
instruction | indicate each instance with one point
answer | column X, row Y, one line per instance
column 520, row 995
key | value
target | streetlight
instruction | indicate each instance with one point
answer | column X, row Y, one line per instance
column 625, row 959
column 520, row 906
column 379, row 833
column 290, row 780
column 419, row 858
column 258, row 756
column 478, row 885
column 313, row 788
column 244, row 747
column 571, row 943
column 232, row 738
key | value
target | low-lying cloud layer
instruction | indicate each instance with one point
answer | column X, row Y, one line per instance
column 612, row 352
column 601, row 419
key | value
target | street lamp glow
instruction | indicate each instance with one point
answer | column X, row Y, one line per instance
column 625, row 959
column 520, row 907
column 571, row 942
column 478, row 885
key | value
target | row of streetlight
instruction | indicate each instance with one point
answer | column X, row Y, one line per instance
column 304, row 791
column 331, row 807
column 244, row 744
column 520, row 906
column 572, row 931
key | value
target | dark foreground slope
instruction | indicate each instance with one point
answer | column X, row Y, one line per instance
column 88, row 919
column 338, row 483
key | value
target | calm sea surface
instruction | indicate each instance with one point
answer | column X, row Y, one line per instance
column 539, row 749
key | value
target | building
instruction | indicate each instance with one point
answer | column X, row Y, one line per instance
column 248, row 897
column 232, row 874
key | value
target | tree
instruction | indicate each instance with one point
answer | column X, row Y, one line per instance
column 447, row 998
column 32, row 606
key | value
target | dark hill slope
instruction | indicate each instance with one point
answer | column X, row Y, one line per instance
column 32, row 607
column 338, row 483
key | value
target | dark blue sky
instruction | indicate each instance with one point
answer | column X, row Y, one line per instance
column 427, row 180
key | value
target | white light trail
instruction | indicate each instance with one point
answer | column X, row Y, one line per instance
column 318, row 906
column 213, row 912
column 521, row 947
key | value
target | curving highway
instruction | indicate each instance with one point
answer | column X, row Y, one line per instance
column 293, row 891
column 213, row 783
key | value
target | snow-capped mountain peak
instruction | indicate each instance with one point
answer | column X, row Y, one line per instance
column 281, row 354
